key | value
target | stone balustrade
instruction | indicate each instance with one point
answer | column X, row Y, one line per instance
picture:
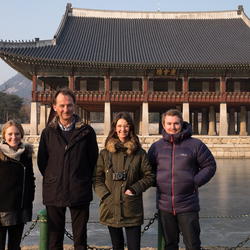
column 221, row 147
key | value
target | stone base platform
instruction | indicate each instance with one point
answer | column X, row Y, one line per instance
column 221, row 147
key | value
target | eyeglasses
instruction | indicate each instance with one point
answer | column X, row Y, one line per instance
column 121, row 126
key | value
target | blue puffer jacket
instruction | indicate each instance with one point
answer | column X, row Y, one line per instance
column 182, row 165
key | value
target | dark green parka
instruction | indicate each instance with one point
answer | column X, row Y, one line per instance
column 118, row 209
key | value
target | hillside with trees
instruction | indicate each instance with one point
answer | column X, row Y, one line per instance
column 15, row 95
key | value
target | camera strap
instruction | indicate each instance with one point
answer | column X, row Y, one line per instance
column 110, row 157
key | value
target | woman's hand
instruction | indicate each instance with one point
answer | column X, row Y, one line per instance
column 128, row 192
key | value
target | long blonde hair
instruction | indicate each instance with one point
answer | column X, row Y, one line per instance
column 15, row 123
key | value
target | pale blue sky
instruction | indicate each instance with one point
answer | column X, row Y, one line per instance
column 27, row 19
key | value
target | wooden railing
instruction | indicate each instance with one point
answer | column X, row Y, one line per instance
column 46, row 97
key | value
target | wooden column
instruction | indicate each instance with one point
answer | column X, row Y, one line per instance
column 212, row 121
column 145, row 120
column 243, row 120
column 196, row 123
column 231, row 125
column 223, row 119
column 223, row 88
column 71, row 83
column 107, row 106
column 34, row 87
column 33, row 119
column 145, row 88
column 43, row 118
column 33, row 110
column 107, row 88
column 185, row 112
column 185, row 88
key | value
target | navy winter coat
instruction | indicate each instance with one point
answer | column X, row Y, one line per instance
column 182, row 165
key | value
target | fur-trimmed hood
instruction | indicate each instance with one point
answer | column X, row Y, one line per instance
column 28, row 151
column 78, row 122
column 114, row 144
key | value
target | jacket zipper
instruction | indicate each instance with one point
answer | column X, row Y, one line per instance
column 173, row 174
column 24, row 173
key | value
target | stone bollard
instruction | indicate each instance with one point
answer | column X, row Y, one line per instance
column 44, row 231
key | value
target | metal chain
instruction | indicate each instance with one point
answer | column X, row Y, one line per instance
column 241, row 244
column 151, row 221
column 89, row 247
column 226, row 216
column 201, row 217
column 29, row 230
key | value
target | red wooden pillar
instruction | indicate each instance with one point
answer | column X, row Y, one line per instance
column 107, row 88
column 34, row 88
column 185, row 88
column 107, row 106
column 71, row 83
column 223, row 88
column 145, row 88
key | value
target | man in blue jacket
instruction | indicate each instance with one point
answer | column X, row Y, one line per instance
column 182, row 165
column 67, row 156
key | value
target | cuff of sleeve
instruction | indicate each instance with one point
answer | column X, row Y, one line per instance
column 105, row 196
column 132, row 190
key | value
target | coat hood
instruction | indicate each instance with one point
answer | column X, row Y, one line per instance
column 186, row 132
column 113, row 145
column 78, row 122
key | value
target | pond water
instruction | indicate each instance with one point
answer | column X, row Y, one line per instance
column 223, row 202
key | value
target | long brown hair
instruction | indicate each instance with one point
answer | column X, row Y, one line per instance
column 131, row 136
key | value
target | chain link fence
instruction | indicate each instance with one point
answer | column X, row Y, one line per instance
column 151, row 221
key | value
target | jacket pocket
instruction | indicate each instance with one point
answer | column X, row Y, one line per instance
column 107, row 209
column 49, row 181
column 50, row 189
column 132, row 206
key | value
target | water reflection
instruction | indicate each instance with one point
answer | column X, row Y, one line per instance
column 227, row 194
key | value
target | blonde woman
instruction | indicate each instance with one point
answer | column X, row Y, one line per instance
column 17, row 185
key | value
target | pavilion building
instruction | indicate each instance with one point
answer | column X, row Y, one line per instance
column 143, row 62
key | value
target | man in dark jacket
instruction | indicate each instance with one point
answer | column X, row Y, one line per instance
column 67, row 155
column 182, row 165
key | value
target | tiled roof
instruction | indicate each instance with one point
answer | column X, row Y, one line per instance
column 144, row 41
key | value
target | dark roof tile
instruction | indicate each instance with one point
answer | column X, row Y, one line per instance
column 147, row 41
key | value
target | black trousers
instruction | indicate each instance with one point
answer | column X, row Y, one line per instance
column 14, row 236
column 172, row 225
column 56, row 222
column 133, row 235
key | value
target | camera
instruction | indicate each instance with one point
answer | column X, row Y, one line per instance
column 119, row 176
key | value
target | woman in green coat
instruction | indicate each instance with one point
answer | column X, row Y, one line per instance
column 121, row 175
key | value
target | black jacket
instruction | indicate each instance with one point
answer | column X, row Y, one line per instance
column 17, row 183
column 67, row 168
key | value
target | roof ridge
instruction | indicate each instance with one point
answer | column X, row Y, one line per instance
column 62, row 23
column 77, row 12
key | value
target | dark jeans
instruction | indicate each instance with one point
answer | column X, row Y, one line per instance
column 56, row 222
column 133, row 235
column 14, row 236
column 186, row 223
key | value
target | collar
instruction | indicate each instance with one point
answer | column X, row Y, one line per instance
column 64, row 128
